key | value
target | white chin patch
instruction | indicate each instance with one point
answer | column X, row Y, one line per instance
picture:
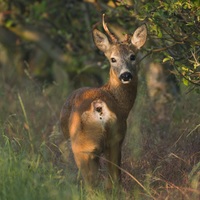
column 126, row 82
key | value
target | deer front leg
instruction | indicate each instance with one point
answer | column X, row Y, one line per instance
column 113, row 155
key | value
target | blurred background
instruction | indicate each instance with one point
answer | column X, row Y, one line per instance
column 47, row 51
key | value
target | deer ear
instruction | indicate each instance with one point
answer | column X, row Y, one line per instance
column 101, row 40
column 139, row 37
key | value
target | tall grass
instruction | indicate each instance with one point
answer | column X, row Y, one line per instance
column 28, row 176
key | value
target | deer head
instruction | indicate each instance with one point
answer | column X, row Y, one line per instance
column 121, row 55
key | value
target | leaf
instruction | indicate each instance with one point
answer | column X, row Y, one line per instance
column 184, row 69
column 9, row 23
column 185, row 82
column 159, row 33
column 166, row 59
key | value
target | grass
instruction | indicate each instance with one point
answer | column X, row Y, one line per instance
column 26, row 172
column 36, row 161
column 25, row 176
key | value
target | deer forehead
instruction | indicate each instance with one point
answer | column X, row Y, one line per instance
column 121, row 50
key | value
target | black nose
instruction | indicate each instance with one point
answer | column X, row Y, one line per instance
column 126, row 77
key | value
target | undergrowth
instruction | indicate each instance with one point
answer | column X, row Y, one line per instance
column 36, row 162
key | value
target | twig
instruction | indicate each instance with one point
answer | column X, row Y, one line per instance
column 193, row 130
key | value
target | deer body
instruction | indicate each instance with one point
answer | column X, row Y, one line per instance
column 95, row 118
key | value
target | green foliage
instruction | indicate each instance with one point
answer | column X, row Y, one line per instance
column 173, row 30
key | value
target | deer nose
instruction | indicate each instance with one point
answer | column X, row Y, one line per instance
column 126, row 77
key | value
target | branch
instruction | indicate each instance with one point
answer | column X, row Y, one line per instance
column 192, row 82
column 157, row 50
column 41, row 40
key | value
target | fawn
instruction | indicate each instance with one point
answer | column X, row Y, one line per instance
column 95, row 118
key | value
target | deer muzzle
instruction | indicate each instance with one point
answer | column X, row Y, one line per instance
column 126, row 77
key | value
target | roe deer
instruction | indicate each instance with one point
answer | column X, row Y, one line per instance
column 95, row 118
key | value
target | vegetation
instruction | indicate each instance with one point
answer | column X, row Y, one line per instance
column 46, row 51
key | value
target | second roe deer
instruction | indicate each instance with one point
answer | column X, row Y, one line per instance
column 95, row 118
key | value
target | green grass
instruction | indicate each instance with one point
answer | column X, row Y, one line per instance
column 36, row 162
column 26, row 175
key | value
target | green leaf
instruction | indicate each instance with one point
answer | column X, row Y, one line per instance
column 159, row 33
column 166, row 59
column 185, row 82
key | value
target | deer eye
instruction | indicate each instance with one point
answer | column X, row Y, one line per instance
column 113, row 60
column 132, row 57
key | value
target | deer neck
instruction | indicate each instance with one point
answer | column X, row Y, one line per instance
column 124, row 94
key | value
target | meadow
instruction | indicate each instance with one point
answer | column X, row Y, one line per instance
column 36, row 162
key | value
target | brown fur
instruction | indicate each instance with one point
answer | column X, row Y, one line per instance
column 95, row 118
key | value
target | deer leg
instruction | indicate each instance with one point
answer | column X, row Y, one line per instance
column 113, row 155
column 88, row 165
